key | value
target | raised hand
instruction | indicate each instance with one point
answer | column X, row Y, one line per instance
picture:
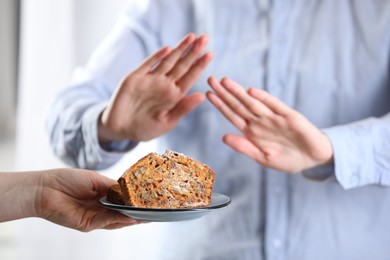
column 151, row 100
column 274, row 135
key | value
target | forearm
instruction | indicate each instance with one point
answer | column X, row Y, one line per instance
column 19, row 195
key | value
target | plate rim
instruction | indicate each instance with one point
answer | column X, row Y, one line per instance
column 103, row 200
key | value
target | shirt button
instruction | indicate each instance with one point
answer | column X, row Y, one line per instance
column 277, row 243
column 277, row 190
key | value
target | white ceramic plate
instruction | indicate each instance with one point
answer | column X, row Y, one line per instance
column 168, row 215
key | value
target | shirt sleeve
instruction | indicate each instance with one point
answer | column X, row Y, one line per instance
column 361, row 154
column 72, row 124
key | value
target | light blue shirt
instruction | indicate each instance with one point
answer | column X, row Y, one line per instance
column 327, row 59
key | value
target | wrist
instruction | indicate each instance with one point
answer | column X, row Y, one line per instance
column 30, row 194
column 19, row 195
column 324, row 155
column 110, row 140
column 105, row 134
column 323, row 164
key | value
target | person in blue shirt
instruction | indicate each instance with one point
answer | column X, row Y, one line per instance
column 321, row 111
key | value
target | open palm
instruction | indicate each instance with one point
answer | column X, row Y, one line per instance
column 274, row 135
column 151, row 100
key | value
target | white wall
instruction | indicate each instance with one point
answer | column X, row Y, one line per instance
column 57, row 36
column 8, row 75
column 8, row 65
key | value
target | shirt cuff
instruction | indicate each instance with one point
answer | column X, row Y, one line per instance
column 320, row 173
column 120, row 146
column 353, row 155
column 97, row 157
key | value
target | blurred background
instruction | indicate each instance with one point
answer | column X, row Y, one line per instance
column 41, row 42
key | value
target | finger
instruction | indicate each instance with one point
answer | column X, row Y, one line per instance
column 121, row 225
column 192, row 75
column 185, row 62
column 229, row 101
column 126, row 224
column 244, row 146
column 273, row 103
column 167, row 64
column 110, row 218
column 235, row 119
column 250, row 103
column 115, row 226
column 186, row 105
column 154, row 59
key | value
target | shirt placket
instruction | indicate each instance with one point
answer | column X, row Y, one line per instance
column 276, row 224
